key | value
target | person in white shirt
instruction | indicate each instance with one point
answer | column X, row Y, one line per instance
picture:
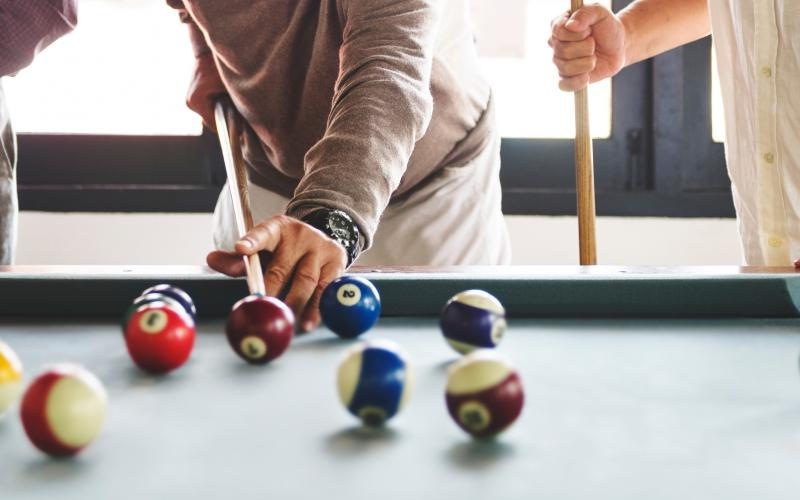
column 758, row 52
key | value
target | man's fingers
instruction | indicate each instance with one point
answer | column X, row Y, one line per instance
column 205, row 88
column 559, row 32
column 226, row 263
column 278, row 273
column 303, row 262
column 559, row 21
column 264, row 236
column 311, row 316
column 207, row 114
column 595, row 50
column 573, row 50
column 203, row 105
column 304, row 283
column 584, row 18
column 575, row 67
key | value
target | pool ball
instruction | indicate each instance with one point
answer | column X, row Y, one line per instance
column 484, row 393
column 176, row 294
column 10, row 377
column 471, row 320
column 159, row 338
column 63, row 410
column 260, row 328
column 154, row 297
column 374, row 381
column 350, row 306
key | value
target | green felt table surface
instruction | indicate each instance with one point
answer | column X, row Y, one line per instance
column 615, row 409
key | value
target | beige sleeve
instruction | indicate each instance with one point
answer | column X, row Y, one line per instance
column 382, row 105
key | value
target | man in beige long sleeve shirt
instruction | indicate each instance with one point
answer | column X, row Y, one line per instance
column 758, row 54
column 363, row 111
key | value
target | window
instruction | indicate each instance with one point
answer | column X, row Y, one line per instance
column 114, row 134
column 653, row 149
column 123, row 71
column 517, row 60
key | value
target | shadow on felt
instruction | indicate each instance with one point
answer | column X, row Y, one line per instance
column 355, row 440
column 479, row 453
column 43, row 469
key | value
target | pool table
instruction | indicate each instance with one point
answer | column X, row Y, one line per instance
column 640, row 383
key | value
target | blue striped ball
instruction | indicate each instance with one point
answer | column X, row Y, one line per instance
column 374, row 381
column 471, row 320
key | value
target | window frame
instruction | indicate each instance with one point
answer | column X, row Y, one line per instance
column 128, row 173
column 661, row 116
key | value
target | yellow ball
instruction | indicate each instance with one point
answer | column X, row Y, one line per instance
column 10, row 377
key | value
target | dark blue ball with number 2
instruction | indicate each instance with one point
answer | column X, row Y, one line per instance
column 350, row 306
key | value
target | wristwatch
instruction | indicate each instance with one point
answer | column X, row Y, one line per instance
column 339, row 227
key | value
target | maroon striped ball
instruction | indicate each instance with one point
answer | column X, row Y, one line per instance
column 484, row 393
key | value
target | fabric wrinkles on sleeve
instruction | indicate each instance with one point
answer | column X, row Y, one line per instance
column 28, row 26
column 382, row 106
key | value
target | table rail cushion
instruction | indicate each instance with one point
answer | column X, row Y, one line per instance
column 526, row 291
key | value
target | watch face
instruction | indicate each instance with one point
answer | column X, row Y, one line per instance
column 336, row 222
column 340, row 228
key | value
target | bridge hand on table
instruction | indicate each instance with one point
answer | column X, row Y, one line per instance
column 302, row 262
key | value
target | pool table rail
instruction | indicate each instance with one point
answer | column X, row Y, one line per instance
column 526, row 291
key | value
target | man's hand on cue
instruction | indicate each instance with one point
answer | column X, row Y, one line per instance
column 303, row 261
column 588, row 46
column 205, row 87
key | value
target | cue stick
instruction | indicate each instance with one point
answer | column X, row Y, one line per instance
column 228, row 132
column 584, row 173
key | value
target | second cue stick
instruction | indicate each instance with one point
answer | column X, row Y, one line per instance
column 584, row 173
column 228, row 132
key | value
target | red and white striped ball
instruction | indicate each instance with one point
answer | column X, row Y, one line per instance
column 63, row 409
column 484, row 393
